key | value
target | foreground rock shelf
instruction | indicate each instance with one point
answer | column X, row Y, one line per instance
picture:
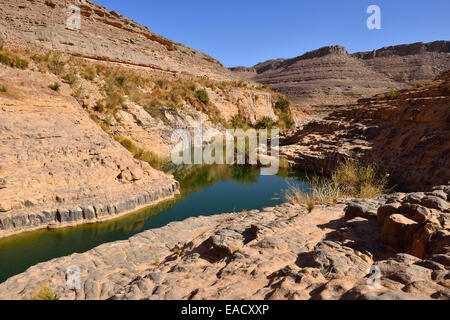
column 275, row 253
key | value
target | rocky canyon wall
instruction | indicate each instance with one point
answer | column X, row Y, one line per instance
column 104, row 36
column 57, row 167
column 332, row 76
column 406, row 132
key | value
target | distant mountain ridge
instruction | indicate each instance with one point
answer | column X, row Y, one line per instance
column 330, row 75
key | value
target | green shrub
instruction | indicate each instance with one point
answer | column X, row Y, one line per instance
column 4, row 59
column 3, row 89
column 283, row 111
column 114, row 99
column 13, row 62
column 70, row 78
column 393, row 94
column 121, row 80
column 162, row 84
column 78, row 93
column 154, row 160
column 265, row 123
column 105, row 127
column 90, row 72
column 99, row 107
column 238, row 121
column 178, row 95
column 282, row 104
column 21, row 63
column 127, row 144
column 55, row 86
column 202, row 96
column 108, row 121
column 54, row 63
column 242, row 84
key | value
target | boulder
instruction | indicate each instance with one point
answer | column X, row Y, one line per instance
column 386, row 211
column 362, row 209
column 414, row 211
column 435, row 202
column 396, row 229
column 414, row 198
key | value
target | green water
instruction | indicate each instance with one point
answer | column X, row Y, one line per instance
column 206, row 190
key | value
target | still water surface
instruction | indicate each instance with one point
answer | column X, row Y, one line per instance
column 205, row 190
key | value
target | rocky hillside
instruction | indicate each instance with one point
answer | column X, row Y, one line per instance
column 66, row 98
column 104, row 36
column 407, row 132
column 276, row 253
column 332, row 76
column 57, row 167
column 152, row 129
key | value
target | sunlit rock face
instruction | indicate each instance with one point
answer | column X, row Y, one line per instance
column 406, row 132
column 332, row 76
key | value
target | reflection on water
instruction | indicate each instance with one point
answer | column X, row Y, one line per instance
column 205, row 190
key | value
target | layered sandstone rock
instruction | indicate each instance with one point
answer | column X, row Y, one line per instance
column 407, row 134
column 57, row 167
column 252, row 104
column 153, row 133
column 332, row 76
column 104, row 35
column 275, row 253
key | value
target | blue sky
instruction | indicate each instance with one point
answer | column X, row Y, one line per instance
column 240, row 32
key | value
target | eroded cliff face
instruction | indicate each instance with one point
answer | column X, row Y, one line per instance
column 406, row 132
column 332, row 76
column 135, row 84
column 409, row 63
column 104, row 35
column 57, row 167
column 153, row 132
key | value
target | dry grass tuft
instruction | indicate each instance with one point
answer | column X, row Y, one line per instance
column 350, row 179
column 45, row 293
column 360, row 180
column 153, row 159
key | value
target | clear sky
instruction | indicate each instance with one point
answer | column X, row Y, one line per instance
column 245, row 32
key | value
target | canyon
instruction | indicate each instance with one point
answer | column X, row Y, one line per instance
column 62, row 111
